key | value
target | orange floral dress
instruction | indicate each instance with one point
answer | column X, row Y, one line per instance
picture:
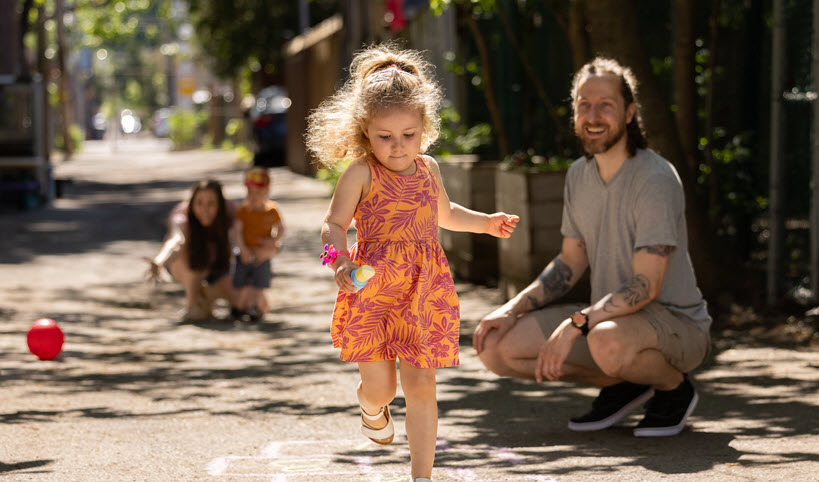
column 409, row 309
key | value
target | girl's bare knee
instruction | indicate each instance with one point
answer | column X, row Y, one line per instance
column 377, row 394
column 418, row 383
column 378, row 382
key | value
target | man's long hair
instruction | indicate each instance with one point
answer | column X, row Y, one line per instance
column 635, row 134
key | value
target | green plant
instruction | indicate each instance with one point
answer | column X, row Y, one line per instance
column 331, row 175
column 77, row 138
column 457, row 138
column 243, row 154
column 184, row 127
column 232, row 128
column 528, row 160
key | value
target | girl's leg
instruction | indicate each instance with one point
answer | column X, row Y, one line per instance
column 377, row 388
column 190, row 280
column 422, row 416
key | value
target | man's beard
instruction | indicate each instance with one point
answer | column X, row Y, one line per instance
column 599, row 146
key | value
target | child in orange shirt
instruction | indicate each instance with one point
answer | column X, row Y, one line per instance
column 258, row 231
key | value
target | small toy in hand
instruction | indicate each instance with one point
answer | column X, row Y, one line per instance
column 361, row 276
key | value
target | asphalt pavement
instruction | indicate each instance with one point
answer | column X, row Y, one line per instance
column 138, row 395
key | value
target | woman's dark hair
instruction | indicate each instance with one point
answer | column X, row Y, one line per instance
column 202, row 238
column 635, row 134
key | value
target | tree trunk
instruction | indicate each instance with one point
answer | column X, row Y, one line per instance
column 25, row 70
column 613, row 32
column 43, row 70
column 685, row 96
column 488, row 86
column 65, row 95
column 713, row 180
column 216, row 112
column 577, row 34
column 42, row 61
column 526, row 62
column 9, row 39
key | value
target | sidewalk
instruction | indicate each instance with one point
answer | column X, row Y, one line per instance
column 136, row 395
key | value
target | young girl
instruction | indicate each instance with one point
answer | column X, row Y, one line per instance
column 383, row 119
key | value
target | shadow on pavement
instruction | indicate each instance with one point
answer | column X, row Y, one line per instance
column 85, row 224
column 532, row 421
column 25, row 466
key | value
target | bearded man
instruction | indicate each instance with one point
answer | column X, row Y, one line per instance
column 647, row 325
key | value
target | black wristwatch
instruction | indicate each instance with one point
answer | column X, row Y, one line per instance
column 580, row 321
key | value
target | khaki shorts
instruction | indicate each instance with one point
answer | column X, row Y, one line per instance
column 683, row 344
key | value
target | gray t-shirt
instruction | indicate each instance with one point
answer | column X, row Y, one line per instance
column 642, row 205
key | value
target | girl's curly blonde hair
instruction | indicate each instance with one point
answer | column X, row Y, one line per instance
column 382, row 77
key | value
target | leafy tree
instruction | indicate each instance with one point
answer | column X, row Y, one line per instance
column 127, row 39
column 122, row 40
column 250, row 34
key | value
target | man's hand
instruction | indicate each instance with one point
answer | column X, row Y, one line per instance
column 500, row 320
column 554, row 352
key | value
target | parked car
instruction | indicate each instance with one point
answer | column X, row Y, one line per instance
column 269, row 124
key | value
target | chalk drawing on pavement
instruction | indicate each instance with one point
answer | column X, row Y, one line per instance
column 299, row 460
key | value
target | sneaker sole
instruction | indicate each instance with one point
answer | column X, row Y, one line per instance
column 613, row 418
column 668, row 431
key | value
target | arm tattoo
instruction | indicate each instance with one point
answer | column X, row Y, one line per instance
column 635, row 291
column 658, row 249
column 556, row 280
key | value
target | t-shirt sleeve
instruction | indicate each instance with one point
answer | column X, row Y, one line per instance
column 178, row 215
column 276, row 216
column 568, row 228
column 659, row 210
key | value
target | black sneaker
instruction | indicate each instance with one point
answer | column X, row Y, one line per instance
column 667, row 412
column 254, row 315
column 237, row 314
column 611, row 406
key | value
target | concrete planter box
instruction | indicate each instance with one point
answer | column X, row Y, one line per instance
column 470, row 183
column 537, row 197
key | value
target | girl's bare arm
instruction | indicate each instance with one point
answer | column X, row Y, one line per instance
column 454, row 217
column 352, row 186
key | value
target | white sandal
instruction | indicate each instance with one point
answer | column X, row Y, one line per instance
column 382, row 436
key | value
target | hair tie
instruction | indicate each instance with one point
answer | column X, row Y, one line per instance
column 393, row 65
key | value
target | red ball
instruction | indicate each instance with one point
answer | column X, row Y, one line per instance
column 45, row 339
